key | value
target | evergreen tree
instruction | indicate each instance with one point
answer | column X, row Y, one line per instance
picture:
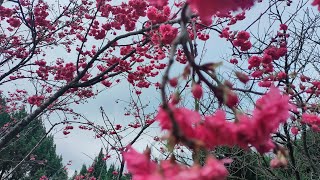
column 43, row 161
column 100, row 167
column 101, row 170
column 244, row 163
column 303, row 162
column 83, row 170
column 110, row 171
column 4, row 117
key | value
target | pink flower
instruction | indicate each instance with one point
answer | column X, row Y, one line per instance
column 158, row 2
column 265, row 83
column 283, row 27
column 273, row 103
column 315, row 128
column 231, row 99
column 257, row 74
column 281, row 75
column 243, row 35
column 279, row 161
column 139, row 164
column 267, row 59
column 294, row 130
column 272, row 109
column 170, row 168
column 212, row 131
column 282, row 51
column 275, row 163
column 173, row 82
column 233, row 61
column 310, row 118
column 168, row 33
column 90, row 169
column 207, row 8
column 185, row 118
column 316, row 3
column 242, row 77
column 43, row 177
column 254, row 61
column 174, row 98
column 244, row 134
column 213, row 169
column 197, row 91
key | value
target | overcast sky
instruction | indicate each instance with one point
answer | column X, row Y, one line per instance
column 81, row 146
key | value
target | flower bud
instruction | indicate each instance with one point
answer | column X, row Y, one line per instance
column 230, row 99
column 173, row 82
column 175, row 98
column 294, row 130
column 197, row 91
column 242, row 77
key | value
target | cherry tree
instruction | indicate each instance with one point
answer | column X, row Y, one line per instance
column 58, row 54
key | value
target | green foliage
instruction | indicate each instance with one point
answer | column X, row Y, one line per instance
column 101, row 171
column 304, row 144
column 4, row 117
column 246, row 164
column 100, row 167
column 109, row 174
column 44, row 160
column 83, row 170
column 252, row 166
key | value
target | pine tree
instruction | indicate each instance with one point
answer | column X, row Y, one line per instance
column 101, row 170
column 245, row 163
column 100, row 167
column 4, row 117
column 83, row 170
column 43, row 161
column 110, row 171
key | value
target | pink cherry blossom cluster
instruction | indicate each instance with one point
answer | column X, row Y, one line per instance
column 242, row 41
column 158, row 2
column 14, row 22
column 312, row 120
column 168, row 33
column 263, row 65
column 206, row 9
column 143, row 168
column 158, row 15
column 41, row 14
column 65, row 72
column 142, row 60
column 126, row 14
column 209, row 132
column 67, row 129
column 271, row 110
column 36, row 100
column 5, row 12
